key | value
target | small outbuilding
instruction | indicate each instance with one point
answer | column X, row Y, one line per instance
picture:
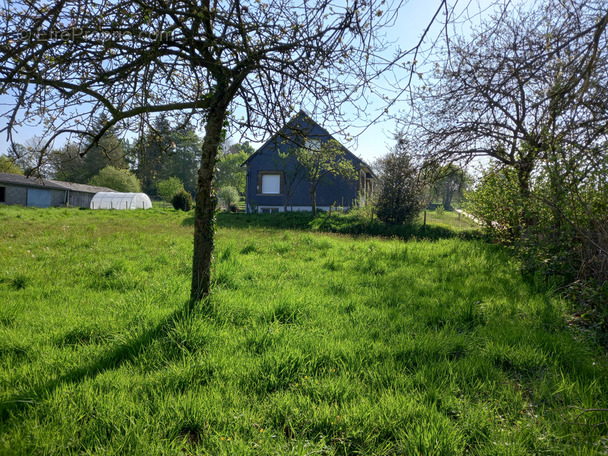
column 37, row 192
column 116, row 200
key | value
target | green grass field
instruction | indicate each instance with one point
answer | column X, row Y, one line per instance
column 313, row 343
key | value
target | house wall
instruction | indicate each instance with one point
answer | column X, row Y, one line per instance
column 80, row 199
column 57, row 198
column 331, row 190
column 18, row 195
column 15, row 195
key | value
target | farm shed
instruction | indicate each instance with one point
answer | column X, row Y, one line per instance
column 116, row 200
column 37, row 192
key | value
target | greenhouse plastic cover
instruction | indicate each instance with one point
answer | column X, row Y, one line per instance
column 115, row 200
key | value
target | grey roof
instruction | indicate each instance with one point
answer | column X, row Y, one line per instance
column 84, row 188
column 15, row 179
column 303, row 115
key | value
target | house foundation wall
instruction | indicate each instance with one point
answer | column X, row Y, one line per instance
column 265, row 209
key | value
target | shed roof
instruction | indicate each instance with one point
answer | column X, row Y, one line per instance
column 15, row 179
column 6, row 178
column 83, row 188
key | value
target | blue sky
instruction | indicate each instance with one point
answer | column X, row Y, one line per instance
column 376, row 140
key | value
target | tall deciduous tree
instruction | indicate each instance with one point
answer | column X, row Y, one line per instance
column 248, row 62
column 527, row 82
column 240, row 148
column 320, row 159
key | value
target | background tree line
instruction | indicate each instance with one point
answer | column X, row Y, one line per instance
column 160, row 162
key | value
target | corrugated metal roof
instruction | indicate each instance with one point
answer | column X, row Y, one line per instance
column 37, row 182
column 84, row 188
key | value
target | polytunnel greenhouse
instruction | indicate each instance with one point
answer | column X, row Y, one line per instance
column 115, row 200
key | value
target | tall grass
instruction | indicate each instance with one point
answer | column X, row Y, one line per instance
column 439, row 226
column 311, row 344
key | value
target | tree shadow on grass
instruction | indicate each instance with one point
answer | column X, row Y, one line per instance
column 337, row 223
column 113, row 359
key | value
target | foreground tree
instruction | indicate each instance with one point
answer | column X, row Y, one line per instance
column 250, row 63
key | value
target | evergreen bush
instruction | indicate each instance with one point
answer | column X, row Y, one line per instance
column 182, row 201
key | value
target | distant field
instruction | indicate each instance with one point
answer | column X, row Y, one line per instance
column 311, row 344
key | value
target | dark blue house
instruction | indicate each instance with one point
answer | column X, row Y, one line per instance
column 277, row 182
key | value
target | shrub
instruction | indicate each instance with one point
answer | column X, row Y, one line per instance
column 497, row 202
column 121, row 180
column 400, row 195
column 168, row 188
column 182, row 200
column 229, row 196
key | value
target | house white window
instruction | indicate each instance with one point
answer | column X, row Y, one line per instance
column 271, row 184
column 313, row 144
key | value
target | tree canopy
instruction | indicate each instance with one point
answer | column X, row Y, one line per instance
column 168, row 188
column 528, row 89
column 251, row 64
column 229, row 171
column 8, row 165
column 121, row 180
column 166, row 150
column 527, row 81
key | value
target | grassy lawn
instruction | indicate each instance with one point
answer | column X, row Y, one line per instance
column 313, row 343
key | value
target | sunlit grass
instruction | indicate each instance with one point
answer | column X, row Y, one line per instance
column 311, row 343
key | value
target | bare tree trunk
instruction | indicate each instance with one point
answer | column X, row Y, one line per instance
column 206, row 204
column 313, row 200
column 524, row 171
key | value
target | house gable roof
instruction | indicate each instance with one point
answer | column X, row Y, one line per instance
column 293, row 124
